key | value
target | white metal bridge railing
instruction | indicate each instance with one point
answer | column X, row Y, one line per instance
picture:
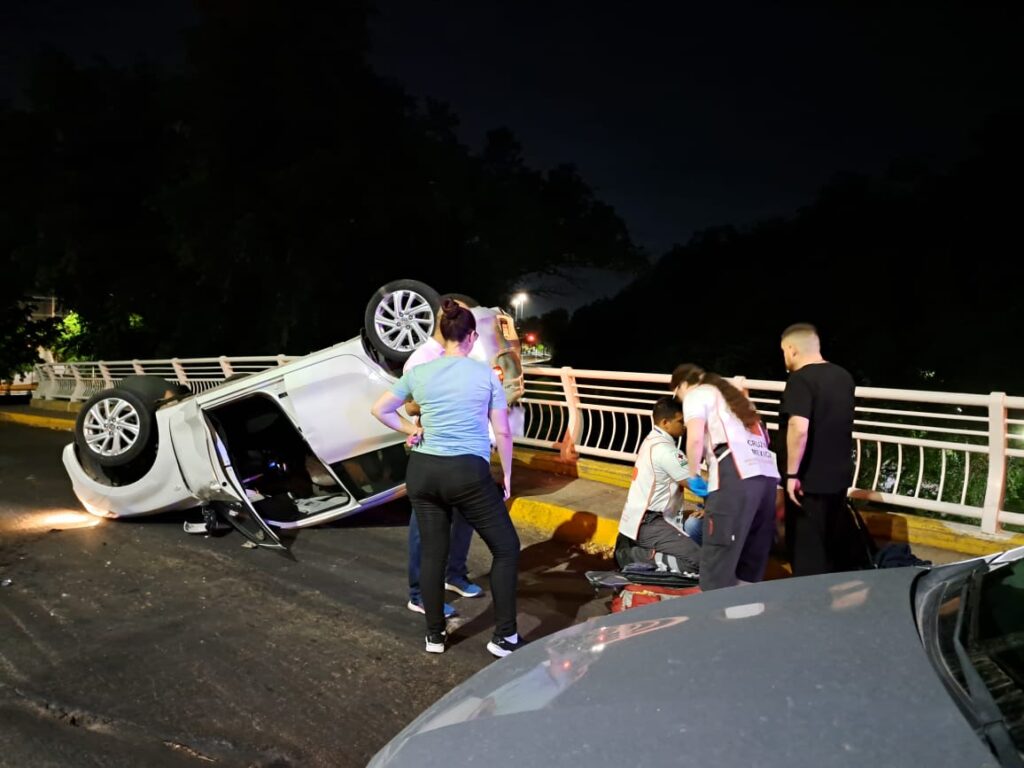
column 950, row 453
column 80, row 381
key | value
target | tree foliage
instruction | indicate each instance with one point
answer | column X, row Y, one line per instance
column 253, row 203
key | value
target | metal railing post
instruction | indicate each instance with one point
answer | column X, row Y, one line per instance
column 225, row 366
column 995, row 489
column 108, row 382
column 78, row 393
column 574, row 424
column 179, row 371
column 46, row 384
column 137, row 367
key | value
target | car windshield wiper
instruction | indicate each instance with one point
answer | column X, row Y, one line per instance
column 991, row 723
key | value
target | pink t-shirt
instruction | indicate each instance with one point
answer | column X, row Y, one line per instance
column 431, row 349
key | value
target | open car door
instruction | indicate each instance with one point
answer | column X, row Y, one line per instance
column 232, row 504
column 247, row 521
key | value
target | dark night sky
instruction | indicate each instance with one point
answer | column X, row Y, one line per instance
column 681, row 115
column 120, row 31
column 689, row 115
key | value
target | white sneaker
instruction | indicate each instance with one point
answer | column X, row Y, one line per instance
column 502, row 647
column 435, row 643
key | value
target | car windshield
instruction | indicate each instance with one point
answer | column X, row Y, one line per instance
column 980, row 627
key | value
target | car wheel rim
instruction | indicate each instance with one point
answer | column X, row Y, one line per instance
column 111, row 427
column 404, row 320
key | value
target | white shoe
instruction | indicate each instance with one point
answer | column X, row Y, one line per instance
column 435, row 643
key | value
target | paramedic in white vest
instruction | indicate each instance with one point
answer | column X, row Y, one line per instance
column 723, row 428
column 656, row 490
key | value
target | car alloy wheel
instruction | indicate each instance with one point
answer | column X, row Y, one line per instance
column 404, row 320
column 116, row 428
column 111, row 427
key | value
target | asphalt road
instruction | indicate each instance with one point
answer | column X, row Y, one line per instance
column 130, row 643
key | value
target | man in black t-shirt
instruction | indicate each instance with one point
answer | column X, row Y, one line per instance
column 816, row 456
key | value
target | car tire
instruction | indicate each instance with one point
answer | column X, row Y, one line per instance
column 152, row 388
column 401, row 316
column 114, row 427
column 470, row 302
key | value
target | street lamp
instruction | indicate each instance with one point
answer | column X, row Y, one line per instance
column 517, row 302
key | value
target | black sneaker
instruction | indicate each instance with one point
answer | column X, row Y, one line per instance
column 436, row 642
column 501, row 647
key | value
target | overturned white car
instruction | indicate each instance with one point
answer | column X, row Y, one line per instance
column 288, row 447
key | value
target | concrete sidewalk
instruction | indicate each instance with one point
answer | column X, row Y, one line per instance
column 585, row 511
column 571, row 510
column 593, row 488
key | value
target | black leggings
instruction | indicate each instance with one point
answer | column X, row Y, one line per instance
column 739, row 527
column 436, row 486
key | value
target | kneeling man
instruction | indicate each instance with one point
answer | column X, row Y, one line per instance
column 656, row 490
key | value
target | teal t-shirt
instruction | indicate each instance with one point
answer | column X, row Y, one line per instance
column 455, row 395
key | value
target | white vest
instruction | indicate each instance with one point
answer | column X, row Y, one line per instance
column 641, row 489
column 749, row 450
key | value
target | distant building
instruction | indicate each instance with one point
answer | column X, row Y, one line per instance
column 45, row 306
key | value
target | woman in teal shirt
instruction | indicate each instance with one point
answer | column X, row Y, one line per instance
column 450, row 468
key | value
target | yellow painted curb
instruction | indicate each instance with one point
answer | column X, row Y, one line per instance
column 567, row 525
column 32, row 420
column 67, row 406
column 927, row 532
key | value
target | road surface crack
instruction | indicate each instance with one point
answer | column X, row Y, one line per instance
column 189, row 751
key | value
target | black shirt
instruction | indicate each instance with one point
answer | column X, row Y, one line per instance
column 824, row 394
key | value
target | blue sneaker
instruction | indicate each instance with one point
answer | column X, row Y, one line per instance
column 417, row 605
column 464, row 587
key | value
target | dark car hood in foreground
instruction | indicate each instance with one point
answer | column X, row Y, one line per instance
column 819, row 671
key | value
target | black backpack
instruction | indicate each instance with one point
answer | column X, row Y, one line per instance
column 870, row 555
column 897, row 556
